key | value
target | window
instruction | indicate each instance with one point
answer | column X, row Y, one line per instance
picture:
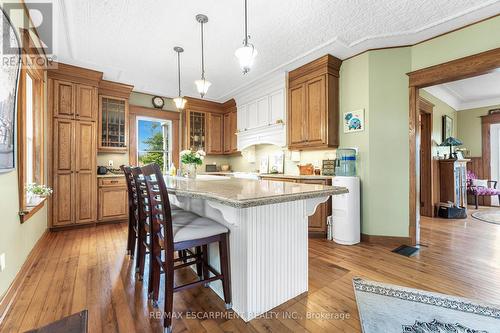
column 154, row 142
column 30, row 137
column 28, row 102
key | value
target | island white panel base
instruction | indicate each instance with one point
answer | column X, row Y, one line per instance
column 268, row 251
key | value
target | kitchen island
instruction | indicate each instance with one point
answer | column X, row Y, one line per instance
column 268, row 223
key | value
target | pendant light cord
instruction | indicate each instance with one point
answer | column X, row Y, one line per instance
column 246, row 25
column 179, row 71
column 202, row 55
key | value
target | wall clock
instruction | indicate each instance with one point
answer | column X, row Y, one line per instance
column 158, row 102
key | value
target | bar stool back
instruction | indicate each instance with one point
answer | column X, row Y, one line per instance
column 181, row 231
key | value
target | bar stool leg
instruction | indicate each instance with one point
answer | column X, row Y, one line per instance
column 169, row 297
column 225, row 270
column 206, row 261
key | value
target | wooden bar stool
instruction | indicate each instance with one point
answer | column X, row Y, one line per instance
column 132, row 210
column 143, row 230
column 178, row 231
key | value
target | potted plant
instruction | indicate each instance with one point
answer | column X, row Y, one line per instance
column 191, row 159
column 36, row 192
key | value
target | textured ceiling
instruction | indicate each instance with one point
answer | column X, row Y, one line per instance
column 476, row 92
column 131, row 41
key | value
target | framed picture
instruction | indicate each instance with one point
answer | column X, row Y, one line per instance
column 9, row 75
column 277, row 163
column 354, row 121
column 447, row 127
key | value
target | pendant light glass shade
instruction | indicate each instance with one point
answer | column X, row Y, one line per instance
column 246, row 55
column 180, row 103
column 202, row 86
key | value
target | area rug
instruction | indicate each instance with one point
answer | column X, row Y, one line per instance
column 490, row 216
column 390, row 308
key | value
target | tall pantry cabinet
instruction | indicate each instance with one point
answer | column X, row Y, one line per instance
column 73, row 111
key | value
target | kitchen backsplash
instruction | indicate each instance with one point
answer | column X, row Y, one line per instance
column 240, row 163
column 118, row 159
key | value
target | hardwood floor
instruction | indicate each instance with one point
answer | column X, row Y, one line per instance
column 87, row 269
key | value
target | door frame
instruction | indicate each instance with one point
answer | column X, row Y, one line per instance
column 139, row 111
column 426, row 109
column 486, row 122
column 470, row 66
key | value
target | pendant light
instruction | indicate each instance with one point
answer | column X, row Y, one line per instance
column 180, row 102
column 203, row 84
column 247, row 53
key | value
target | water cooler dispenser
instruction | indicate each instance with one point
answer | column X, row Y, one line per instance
column 346, row 222
column 346, row 215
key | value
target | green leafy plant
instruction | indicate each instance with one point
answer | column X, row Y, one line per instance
column 40, row 190
column 192, row 157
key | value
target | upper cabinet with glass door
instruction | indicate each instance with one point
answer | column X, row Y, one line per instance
column 113, row 116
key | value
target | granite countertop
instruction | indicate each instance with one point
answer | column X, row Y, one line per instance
column 244, row 193
column 268, row 175
column 279, row 175
column 111, row 175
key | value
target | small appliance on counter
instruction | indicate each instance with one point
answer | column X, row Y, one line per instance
column 306, row 169
column 328, row 168
column 211, row 168
column 225, row 167
column 346, row 162
column 102, row 170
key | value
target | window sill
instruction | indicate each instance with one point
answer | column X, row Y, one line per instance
column 28, row 212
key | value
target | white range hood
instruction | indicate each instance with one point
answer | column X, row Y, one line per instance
column 262, row 113
column 272, row 134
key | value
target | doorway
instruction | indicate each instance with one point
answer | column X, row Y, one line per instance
column 467, row 67
column 426, row 172
column 154, row 142
column 154, row 136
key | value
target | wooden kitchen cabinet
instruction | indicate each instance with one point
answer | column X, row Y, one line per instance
column 210, row 126
column 230, row 138
column 113, row 116
column 113, row 199
column 85, row 187
column 313, row 105
column 317, row 221
column 72, row 100
column 63, row 94
column 296, row 115
column 86, row 98
column 215, row 134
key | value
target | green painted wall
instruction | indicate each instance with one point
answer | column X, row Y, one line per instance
column 16, row 239
column 440, row 109
column 458, row 44
column 389, row 155
column 354, row 95
column 469, row 128
column 378, row 81
column 145, row 100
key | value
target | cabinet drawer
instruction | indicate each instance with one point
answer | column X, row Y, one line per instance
column 113, row 203
column 115, row 181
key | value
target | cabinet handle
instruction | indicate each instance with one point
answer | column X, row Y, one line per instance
column 114, row 181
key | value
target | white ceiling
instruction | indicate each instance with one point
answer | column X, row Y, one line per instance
column 132, row 41
column 476, row 92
